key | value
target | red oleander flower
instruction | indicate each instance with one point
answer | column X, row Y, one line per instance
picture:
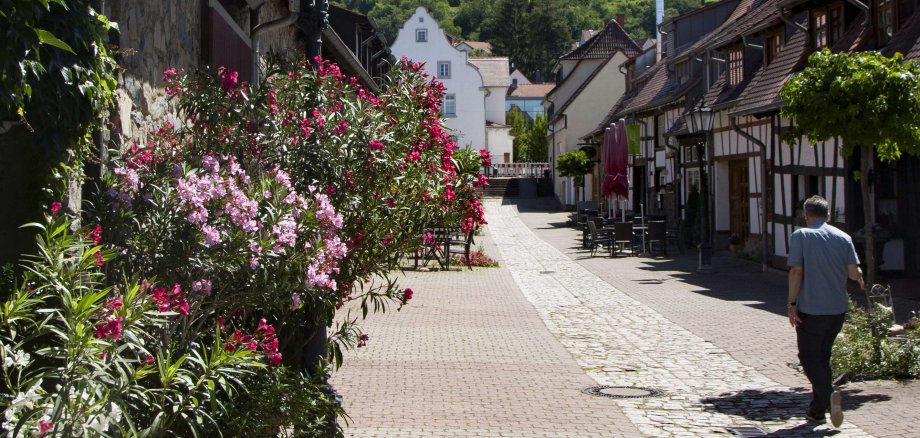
column 55, row 207
column 44, row 427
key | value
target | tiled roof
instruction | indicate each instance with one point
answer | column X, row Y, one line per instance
column 762, row 93
column 906, row 40
column 726, row 26
column 760, row 14
column 604, row 44
column 494, row 71
column 531, row 90
column 480, row 45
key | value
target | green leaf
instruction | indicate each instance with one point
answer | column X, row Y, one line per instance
column 48, row 38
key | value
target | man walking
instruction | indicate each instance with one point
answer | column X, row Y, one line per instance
column 821, row 258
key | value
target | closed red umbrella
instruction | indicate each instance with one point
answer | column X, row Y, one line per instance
column 616, row 180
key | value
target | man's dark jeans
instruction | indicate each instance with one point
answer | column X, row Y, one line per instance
column 816, row 334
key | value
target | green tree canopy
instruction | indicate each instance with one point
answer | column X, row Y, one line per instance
column 870, row 101
column 574, row 164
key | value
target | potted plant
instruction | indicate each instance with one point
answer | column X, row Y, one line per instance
column 734, row 242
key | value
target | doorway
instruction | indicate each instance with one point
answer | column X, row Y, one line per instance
column 739, row 199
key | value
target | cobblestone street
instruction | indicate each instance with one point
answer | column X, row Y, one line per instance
column 508, row 351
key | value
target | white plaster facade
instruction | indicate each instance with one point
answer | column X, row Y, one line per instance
column 464, row 84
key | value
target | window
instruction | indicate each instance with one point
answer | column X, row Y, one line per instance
column 828, row 25
column 835, row 16
column 443, row 69
column 885, row 20
column 421, row 19
column 735, row 65
column 684, row 72
column 820, row 28
column 421, row 35
column 772, row 44
column 449, row 107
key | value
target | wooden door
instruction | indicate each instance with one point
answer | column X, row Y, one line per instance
column 739, row 198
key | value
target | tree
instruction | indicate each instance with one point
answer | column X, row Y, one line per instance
column 869, row 101
column 519, row 129
column 538, row 143
column 575, row 164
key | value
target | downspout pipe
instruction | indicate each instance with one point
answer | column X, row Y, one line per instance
column 763, row 187
column 262, row 29
column 642, row 152
column 865, row 8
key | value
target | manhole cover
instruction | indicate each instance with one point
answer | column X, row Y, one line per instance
column 747, row 431
column 622, row 391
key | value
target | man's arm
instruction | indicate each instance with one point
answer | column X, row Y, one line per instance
column 796, row 273
column 856, row 274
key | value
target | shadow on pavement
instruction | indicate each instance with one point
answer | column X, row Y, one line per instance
column 758, row 405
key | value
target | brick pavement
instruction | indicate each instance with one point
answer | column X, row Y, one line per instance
column 740, row 310
column 469, row 356
column 506, row 352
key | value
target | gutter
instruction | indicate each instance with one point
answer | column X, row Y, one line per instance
column 763, row 187
column 263, row 28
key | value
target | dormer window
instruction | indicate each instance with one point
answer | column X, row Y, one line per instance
column 735, row 65
column 421, row 35
column 684, row 71
column 772, row 44
column 885, row 20
column 827, row 25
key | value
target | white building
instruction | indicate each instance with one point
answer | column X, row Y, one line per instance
column 474, row 99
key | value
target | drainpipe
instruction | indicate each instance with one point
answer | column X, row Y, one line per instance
column 763, row 187
column 865, row 8
column 642, row 152
column 263, row 28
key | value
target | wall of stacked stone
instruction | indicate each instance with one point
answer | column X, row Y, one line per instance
column 156, row 35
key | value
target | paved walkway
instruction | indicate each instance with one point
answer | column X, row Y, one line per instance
column 506, row 352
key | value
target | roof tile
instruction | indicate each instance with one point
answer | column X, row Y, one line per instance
column 604, row 44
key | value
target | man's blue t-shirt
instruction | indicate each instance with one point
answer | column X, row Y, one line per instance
column 825, row 253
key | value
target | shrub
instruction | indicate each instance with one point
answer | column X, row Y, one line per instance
column 864, row 348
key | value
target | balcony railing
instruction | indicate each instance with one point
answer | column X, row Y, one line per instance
column 522, row 170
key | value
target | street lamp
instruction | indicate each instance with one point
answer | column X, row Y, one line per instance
column 699, row 121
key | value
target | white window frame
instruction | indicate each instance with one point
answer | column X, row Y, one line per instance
column 421, row 35
column 446, row 110
column 441, row 65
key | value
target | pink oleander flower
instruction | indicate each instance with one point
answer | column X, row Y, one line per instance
column 44, row 427
column 295, row 301
column 149, row 359
column 96, row 235
column 109, row 329
column 407, row 295
column 429, row 239
column 113, row 304
column 99, row 260
column 229, row 79
column 376, row 145
column 202, row 286
column 55, row 207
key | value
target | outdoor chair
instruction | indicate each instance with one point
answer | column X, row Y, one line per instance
column 462, row 247
column 597, row 238
column 657, row 236
column 623, row 239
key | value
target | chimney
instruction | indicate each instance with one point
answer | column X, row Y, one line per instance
column 621, row 20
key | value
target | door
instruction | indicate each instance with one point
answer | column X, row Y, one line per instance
column 739, row 199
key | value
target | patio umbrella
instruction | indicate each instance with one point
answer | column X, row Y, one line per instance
column 616, row 180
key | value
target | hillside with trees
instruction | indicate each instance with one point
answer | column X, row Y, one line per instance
column 533, row 33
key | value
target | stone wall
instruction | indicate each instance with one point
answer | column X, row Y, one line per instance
column 156, row 35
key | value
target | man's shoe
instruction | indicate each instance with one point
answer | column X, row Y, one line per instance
column 836, row 409
column 817, row 419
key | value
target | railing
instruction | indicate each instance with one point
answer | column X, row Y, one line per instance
column 526, row 170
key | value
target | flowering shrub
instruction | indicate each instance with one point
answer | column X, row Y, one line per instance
column 477, row 258
column 218, row 249
column 82, row 356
